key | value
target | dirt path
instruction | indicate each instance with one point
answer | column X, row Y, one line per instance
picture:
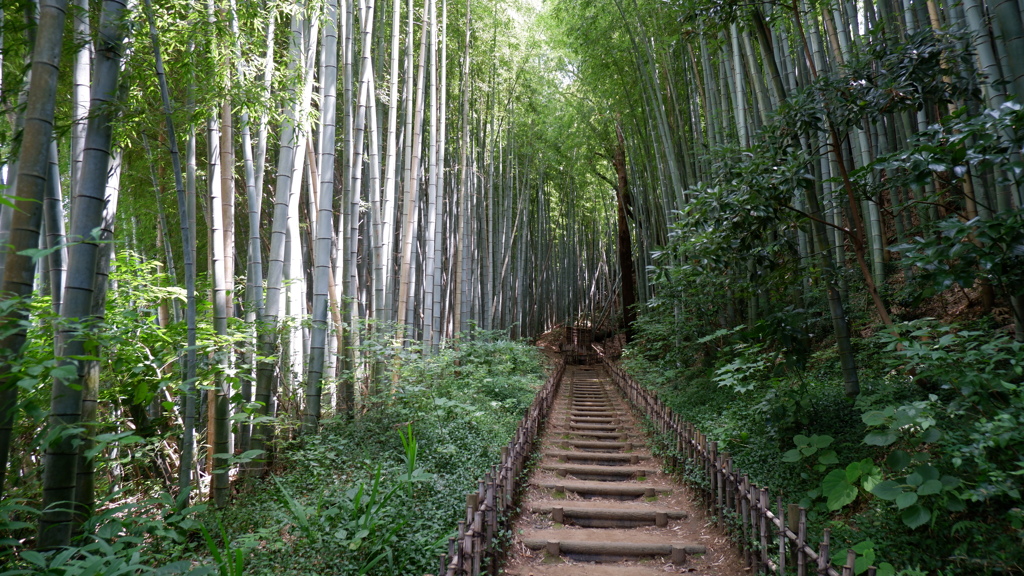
column 598, row 503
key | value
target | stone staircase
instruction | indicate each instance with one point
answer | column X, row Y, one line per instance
column 598, row 502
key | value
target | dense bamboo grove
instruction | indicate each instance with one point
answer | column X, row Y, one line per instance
column 827, row 222
column 226, row 221
column 798, row 141
column 341, row 175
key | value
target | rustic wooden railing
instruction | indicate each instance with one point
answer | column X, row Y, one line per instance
column 488, row 508
column 772, row 541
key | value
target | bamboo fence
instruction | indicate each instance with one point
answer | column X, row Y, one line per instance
column 772, row 541
column 477, row 546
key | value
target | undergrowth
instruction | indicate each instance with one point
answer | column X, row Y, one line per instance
column 455, row 411
column 378, row 494
column 921, row 472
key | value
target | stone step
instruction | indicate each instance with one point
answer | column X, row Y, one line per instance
column 595, row 427
column 595, row 472
column 590, row 413
column 578, row 419
column 575, row 419
column 610, row 459
column 589, row 570
column 608, row 435
column 597, row 445
column 611, row 490
column 612, row 550
column 607, row 517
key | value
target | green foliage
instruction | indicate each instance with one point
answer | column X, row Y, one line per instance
column 963, row 142
column 865, row 558
column 958, row 252
column 923, row 480
column 840, row 486
column 144, row 537
column 230, row 560
column 750, row 365
column 360, row 498
column 810, row 446
column 887, row 74
column 361, row 521
column 970, row 427
column 925, row 465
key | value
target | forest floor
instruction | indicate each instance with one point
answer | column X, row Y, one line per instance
column 598, row 503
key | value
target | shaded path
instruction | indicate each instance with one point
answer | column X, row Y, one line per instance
column 598, row 495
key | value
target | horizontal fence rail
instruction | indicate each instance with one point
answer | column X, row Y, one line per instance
column 772, row 541
column 488, row 508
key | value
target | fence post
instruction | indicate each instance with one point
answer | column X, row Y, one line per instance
column 801, row 543
column 478, row 544
column 459, row 556
column 727, row 491
column 823, row 552
column 762, row 515
column 504, row 476
column 793, row 524
column 472, row 500
column 680, row 447
column 782, row 535
column 755, row 524
column 745, row 521
column 851, row 559
column 491, row 520
column 720, row 485
column 711, row 470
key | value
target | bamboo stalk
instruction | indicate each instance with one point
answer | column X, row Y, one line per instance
column 762, row 509
column 801, row 543
column 783, row 537
column 823, row 553
column 745, row 521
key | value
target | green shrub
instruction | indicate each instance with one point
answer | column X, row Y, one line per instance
column 462, row 405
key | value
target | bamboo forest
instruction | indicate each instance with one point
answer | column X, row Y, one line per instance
column 521, row 287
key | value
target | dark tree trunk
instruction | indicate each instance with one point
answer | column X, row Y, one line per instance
column 624, row 243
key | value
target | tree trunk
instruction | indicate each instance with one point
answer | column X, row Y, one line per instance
column 85, row 497
column 53, row 218
column 33, row 166
column 323, row 192
column 623, row 239
column 188, row 251
column 76, row 336
column 851, row 382
column 219, row 430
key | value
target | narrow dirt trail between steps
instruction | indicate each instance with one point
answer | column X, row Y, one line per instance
column 598, row 503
